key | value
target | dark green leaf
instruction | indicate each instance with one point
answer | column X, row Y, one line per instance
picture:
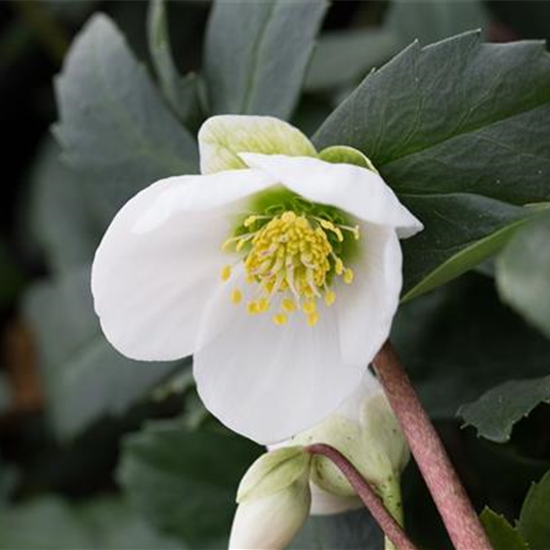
column 523, row 273
column 85, row 377
column 257, row 54
column 471, row 119
column 114, row 126
column 352, row 530
column 49, row 523
column 460, row 231
column 344, row 57
column 182, row 94
column 116, row 527
column 433, row 20
column 43, row 524
column 501, row 534
column 461, row 341
column 455, row 117
column 533, row 521
column 495, row 412
column 185, row 482
column 60, row 218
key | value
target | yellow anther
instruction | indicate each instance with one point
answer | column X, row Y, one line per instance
column 356, row 232
column 290, row 259
column 309, row 307
column 288, row 217
column 250, row 220
column 348, row 276
column 240, row 244
column 236, row 296
column 326, row 224
column 288, row 304
column 280, row 319
column 330, row 297
column 227, row 243
column 312, row 319
column 226, row 272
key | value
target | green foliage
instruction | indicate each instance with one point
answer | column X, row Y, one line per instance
column 61, row 220
column 256, row 54
column 498, row 97
column 460, row 341
column 347, row 531
column 533, row 521
column 182, row 94
column 114, row 126
column 523, row 273
column 49, row 523
column 85, row 377
column 185, row 482
column 495, row 412
column 501, row 534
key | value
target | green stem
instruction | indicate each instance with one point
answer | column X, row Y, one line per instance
column 390, row 493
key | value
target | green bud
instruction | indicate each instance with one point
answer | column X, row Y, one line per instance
column 273, row 472
column 272, row 521
column 366, row 431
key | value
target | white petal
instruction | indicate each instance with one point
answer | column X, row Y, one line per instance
column 324, row 503
column 198, row 194
column 353, row 189
column 366, row 307
column 160, row 260
column 223, row 137
column 269, row 382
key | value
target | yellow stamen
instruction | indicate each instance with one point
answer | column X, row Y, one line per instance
column 312, row 319
column 226, row 272
column 280, row 319
column 250, row 220
column 330, row 297
column 290, row 259
column 288, row 304
column 236, row 296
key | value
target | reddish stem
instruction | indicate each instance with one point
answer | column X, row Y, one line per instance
column 379, row 512
column 457, row 512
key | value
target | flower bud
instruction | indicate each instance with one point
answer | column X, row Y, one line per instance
column 365, row 430
column 272, row 472
column 270, row 522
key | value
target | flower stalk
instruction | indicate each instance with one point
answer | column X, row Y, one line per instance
column 455, row 508
column 366, row 493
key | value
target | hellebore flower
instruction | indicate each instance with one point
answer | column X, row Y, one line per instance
column 287, row 484
column 278, row 268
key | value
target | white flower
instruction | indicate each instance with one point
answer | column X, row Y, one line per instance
column 278, row 270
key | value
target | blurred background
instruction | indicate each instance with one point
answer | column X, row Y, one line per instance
column 67, row 401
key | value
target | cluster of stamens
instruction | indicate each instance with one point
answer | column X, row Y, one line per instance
column 291, row 260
